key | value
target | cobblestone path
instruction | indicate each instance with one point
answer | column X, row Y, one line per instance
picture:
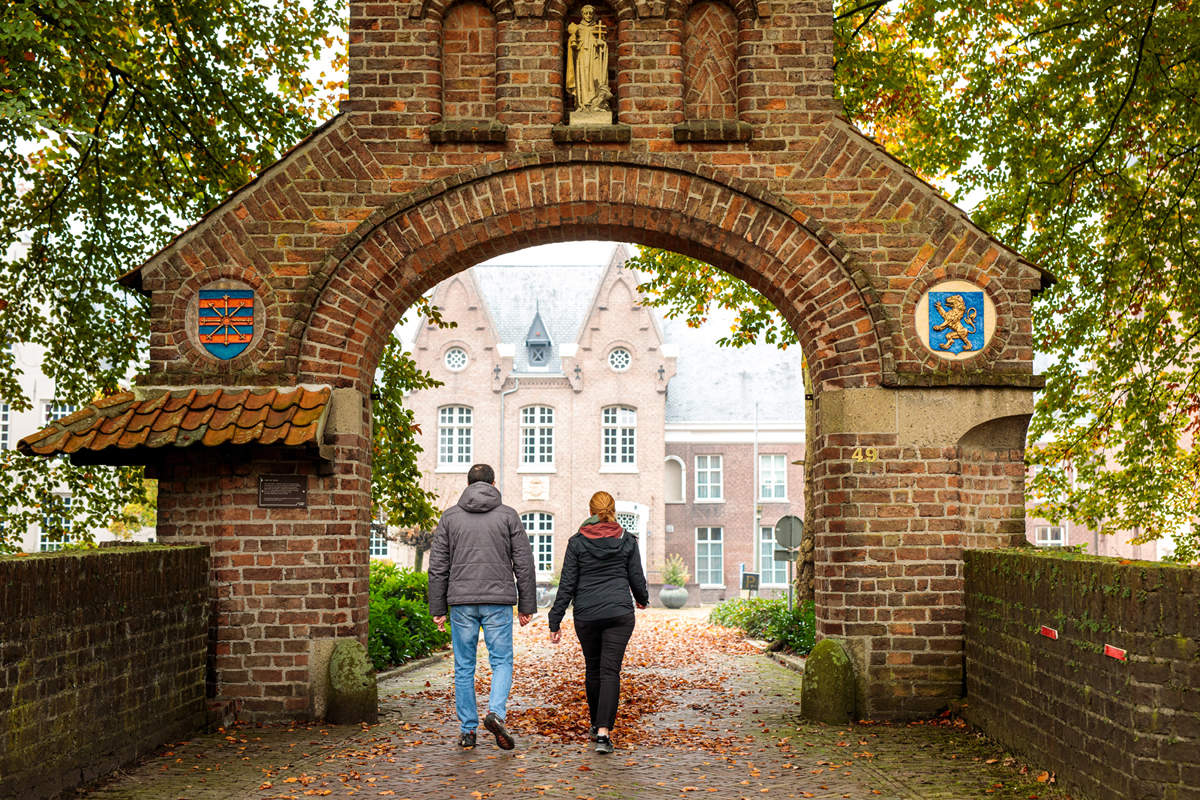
column 724, row 724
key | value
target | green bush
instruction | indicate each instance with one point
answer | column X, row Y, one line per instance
column 760, row 618
column 388, row 580
column 400, row 625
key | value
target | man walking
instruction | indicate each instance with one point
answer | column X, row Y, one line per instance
column 480, row 565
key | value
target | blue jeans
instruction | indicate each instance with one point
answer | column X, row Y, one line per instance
column 496, row 622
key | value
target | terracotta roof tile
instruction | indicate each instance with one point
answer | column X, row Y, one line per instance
column 115, row 424
column 175, row 403
column 229, row 399
column 247, row 435
column 186, row 417
column 256, row 401
column 76, row 443
column 203, row 401
column 197, row 418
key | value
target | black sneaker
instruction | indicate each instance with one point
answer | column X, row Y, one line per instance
column 604, row 745
column 496, row 725
column 592, row 733
column 466, row 740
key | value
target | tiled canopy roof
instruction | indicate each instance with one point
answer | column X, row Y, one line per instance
column 209, row 417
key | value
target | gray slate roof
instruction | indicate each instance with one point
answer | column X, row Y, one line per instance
column 711, row 384
column 722, row 384
column 514, row 294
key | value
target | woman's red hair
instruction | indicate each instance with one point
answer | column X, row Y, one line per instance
column 603, row 506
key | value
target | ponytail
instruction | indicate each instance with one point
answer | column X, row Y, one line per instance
column 603, row 506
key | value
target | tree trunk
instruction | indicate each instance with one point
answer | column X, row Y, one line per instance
column 419, row 559
column 805, row 562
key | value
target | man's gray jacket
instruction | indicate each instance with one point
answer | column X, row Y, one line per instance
column 481, row 556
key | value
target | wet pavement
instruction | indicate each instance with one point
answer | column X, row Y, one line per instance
column 711, row 718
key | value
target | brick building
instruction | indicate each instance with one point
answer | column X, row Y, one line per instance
column 563, row 377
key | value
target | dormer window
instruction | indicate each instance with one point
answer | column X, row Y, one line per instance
column 537, row 343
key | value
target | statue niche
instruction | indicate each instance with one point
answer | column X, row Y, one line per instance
column 587, row 69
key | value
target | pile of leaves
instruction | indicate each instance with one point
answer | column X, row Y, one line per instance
column 554, row 674
column 400, row 625
column 771, row 620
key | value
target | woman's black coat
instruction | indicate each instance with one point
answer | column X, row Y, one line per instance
column 598, row 574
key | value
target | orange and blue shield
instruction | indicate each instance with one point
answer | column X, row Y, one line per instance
column 226, row 321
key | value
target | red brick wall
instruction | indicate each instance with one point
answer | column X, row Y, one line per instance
column 103, row 661
column 469, row 63
column 281, row 578
column 710, row 62
column 1108, row 728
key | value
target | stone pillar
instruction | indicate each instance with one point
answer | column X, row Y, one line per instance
column 904, row 480
column 282, row 580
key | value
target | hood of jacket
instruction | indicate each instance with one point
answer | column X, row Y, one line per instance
column 479, row 498
column 608, row 546
column 593, row 528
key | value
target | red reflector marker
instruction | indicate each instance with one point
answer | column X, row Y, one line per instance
column 1114, row 652
column 1049, row 633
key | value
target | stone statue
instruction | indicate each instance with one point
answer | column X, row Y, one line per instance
column 587, row 67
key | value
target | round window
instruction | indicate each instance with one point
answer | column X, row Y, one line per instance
column 620, row 359
column 456, row 359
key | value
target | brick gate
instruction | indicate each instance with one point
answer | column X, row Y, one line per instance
column 455, row 146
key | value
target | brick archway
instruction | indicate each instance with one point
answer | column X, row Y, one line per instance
column 390, row 197
column 409, row 247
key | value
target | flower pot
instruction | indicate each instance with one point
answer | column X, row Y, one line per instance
column 673, row 596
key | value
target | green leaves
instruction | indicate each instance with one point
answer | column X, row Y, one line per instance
column 686, row 287
column 1073, row 127
column 396, row 488
column 1076, row 124
column 121, row 122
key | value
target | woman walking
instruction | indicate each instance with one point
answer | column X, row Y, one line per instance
column 601, row 567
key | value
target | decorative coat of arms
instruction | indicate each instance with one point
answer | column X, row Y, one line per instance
column 225, row 321
column 956, row 319
column 961, row 323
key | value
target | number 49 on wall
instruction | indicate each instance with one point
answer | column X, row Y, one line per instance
column 865, row 454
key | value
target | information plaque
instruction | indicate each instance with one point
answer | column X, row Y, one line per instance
column 283, row 491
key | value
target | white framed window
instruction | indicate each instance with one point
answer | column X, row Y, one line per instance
column 619, row 434
column 1051, row 536
column 540, row 527
column 56, row 411
column 628, row 520
column 773, row 573
column 454, row 436
column 772, row 478
column 455, row 359
column 55, row 520
column 673, row 477
column 4, row 420
column 619, row 359
column 710, row 557
column 537, row 436
column 379, row 542
column 708, row 480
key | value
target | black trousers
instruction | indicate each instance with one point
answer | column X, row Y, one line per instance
column 604, row 642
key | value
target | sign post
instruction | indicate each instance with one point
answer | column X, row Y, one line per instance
column 789, row 534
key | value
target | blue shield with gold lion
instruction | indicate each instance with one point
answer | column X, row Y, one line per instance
column 956, row 321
